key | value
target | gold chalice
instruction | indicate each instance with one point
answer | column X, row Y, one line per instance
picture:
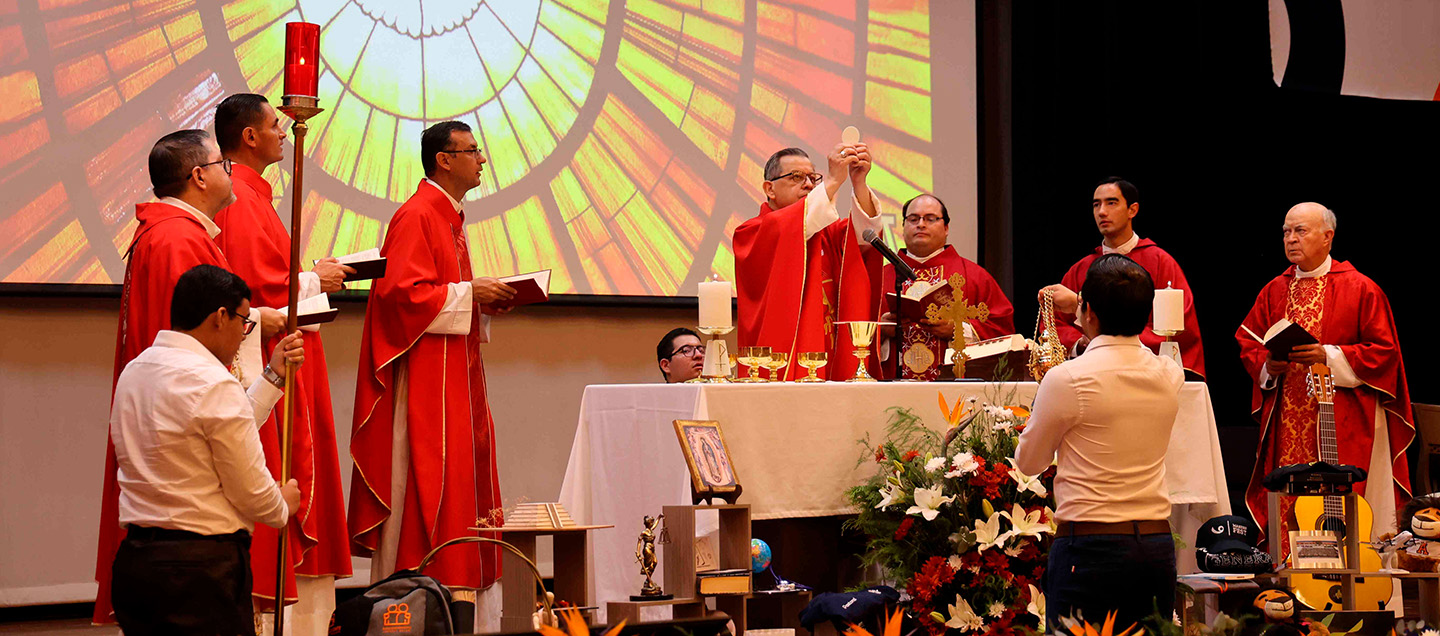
column 753, row 358
column 862, row 333
column 811, row 360
column 778, row 361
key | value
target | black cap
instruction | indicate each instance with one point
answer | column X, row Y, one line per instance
column 1228, row 533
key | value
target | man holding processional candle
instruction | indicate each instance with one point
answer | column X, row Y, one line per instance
column 799, row 267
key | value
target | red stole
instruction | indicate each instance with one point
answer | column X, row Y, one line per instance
column 1354, row 315
column 258, row 248
column 1164, row 271
column 167, row 243
column 791, row 290
column 453, row 478
column 980, row 287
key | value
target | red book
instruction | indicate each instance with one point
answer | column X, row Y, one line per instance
column 529, row 288
column 917, row 298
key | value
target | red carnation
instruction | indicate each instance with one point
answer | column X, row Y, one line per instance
column 932, row 575
column 904, row 528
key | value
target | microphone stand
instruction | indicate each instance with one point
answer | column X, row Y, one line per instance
column 899, row 336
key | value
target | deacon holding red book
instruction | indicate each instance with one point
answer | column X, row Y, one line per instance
column 255, row 241
column 923, row 343
column 1350, row 315
column 800, row 268
column 191, row 181
column 1115, row 204
column 423, row 441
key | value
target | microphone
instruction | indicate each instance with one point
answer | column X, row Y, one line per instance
column 902, row 271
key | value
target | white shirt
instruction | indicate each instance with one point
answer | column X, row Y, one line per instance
column 454, row 316
column 1124, row 248
column 1106, row 418
column 187, row 442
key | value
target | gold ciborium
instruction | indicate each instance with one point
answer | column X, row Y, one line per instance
column 811, row 360
column 778, row 361
column 754, row 358
column 862, row 333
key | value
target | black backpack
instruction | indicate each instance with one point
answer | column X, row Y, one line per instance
column 406, row 603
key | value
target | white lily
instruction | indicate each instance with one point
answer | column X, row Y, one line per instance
column 889, row 495
column 962, row 464
column 962, row 617
column 987, row 532
column 928, row 502
column 1025, row 482
column 935, row 463
column 1037, row 606
column 1026, row 524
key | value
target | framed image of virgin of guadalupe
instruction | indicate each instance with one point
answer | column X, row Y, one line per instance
column 712, row 475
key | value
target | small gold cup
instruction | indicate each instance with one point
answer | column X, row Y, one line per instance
column 778, row 361
column 811, row 360
column 754, row 358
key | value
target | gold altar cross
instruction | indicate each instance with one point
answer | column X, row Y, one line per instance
column 959, row 312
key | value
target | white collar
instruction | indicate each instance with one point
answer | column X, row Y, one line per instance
column 1105, row 341
column 458, row 206
column 186, row 342
column 1124, row 247
column 923, row 259
column 1322, row 270
column 209, row 224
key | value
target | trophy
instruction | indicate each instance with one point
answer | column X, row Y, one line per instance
column 753, row 358
column 645, row 556
column 811, row 360
column 778, row 361
column 862, row 333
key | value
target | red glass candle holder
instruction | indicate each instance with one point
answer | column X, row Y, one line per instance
column 302, row 59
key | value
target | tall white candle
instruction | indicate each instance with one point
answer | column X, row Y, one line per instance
column 1169, row 309
column 715, row 303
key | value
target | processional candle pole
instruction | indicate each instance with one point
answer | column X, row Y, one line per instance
column 299, row 102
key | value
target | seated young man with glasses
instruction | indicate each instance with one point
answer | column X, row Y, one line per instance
column 799, row 267
column 923, row 343
column 681, row 355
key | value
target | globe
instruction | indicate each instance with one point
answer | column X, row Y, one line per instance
column 759, row 556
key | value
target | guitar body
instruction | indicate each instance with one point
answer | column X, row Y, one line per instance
column 1322, row 592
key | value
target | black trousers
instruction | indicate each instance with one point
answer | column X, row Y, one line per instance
column 178, row 582
column 1132, row 575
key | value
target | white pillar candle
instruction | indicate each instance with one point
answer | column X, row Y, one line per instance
column 1169, row 309
column 715, row 303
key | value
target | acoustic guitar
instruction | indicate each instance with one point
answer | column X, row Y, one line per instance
column 1322, row 591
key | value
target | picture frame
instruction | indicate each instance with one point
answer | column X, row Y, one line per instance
column 1314, row 549
column 712, row 473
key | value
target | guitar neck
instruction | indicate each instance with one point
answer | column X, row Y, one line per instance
column 1329, row 453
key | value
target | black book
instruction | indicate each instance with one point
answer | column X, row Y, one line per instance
column 1282, row 338
column 368, row 265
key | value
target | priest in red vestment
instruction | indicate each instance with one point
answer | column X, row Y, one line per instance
column 1115, row 205
column 257, row 245
column 1350, row 315
column 423, row 441
column 923, row 344
column 800, row 268
column 191, row 181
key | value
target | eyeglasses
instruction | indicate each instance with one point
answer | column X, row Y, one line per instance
column 800, row 177
column 473, row 152
column 249, row 325
column 688, row 350
column 929, row 219
column 224, row 163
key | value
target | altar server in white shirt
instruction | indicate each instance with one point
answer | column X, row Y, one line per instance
column 192, row 473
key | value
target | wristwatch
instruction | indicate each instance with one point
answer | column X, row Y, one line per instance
column 273, row 378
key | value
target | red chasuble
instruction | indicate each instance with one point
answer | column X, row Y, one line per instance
column 258, row 248
column 922, row 354
column 1165, row 271
column 167, row 243
column 1347, row 309
column 453, row 480
column 791, row 291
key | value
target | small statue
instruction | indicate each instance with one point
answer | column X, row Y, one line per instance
column 645, row 556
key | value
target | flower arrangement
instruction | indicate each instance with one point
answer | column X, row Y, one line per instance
column 951, row 519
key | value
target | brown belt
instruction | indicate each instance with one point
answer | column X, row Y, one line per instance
column 1090, row 528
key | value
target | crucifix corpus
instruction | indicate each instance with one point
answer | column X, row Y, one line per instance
column 959, row 312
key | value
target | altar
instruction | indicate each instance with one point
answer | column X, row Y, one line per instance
column 794, row 450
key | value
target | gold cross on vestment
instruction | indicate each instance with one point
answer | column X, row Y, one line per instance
column 959, row 312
